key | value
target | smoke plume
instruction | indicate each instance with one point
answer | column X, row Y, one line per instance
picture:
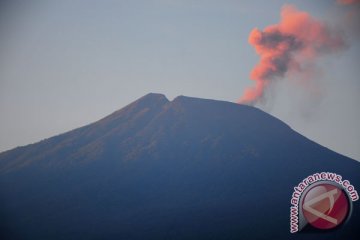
column 288, row 47
column 348, row 2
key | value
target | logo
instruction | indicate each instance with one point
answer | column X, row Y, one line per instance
column 325, row 206
column 321, row 201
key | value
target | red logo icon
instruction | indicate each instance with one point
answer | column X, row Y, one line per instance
column 325, row 206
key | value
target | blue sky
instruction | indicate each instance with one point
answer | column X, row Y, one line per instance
column 64, row 64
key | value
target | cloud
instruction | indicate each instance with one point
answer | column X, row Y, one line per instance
column 348, row 2
column 291, row 46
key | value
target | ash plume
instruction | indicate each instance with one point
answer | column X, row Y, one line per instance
column 290, row 46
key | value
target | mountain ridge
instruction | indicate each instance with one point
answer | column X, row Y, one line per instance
column 150, row 106
column 158, row 169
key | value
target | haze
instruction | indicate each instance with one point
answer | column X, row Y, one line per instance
column 64, row 64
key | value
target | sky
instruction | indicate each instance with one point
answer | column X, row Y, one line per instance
column 65, row 64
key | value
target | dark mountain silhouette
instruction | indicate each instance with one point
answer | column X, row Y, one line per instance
column 186, row 169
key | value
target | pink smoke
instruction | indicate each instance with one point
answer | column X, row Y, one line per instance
column 347, row 2
column 286, row 47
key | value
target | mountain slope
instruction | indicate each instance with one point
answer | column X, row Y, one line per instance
column 189, row 168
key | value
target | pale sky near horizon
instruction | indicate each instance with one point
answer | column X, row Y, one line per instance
column 65, row 64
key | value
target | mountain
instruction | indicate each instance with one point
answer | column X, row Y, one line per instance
column 158, row 169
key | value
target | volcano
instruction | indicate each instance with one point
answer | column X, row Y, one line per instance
column 157, row 169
